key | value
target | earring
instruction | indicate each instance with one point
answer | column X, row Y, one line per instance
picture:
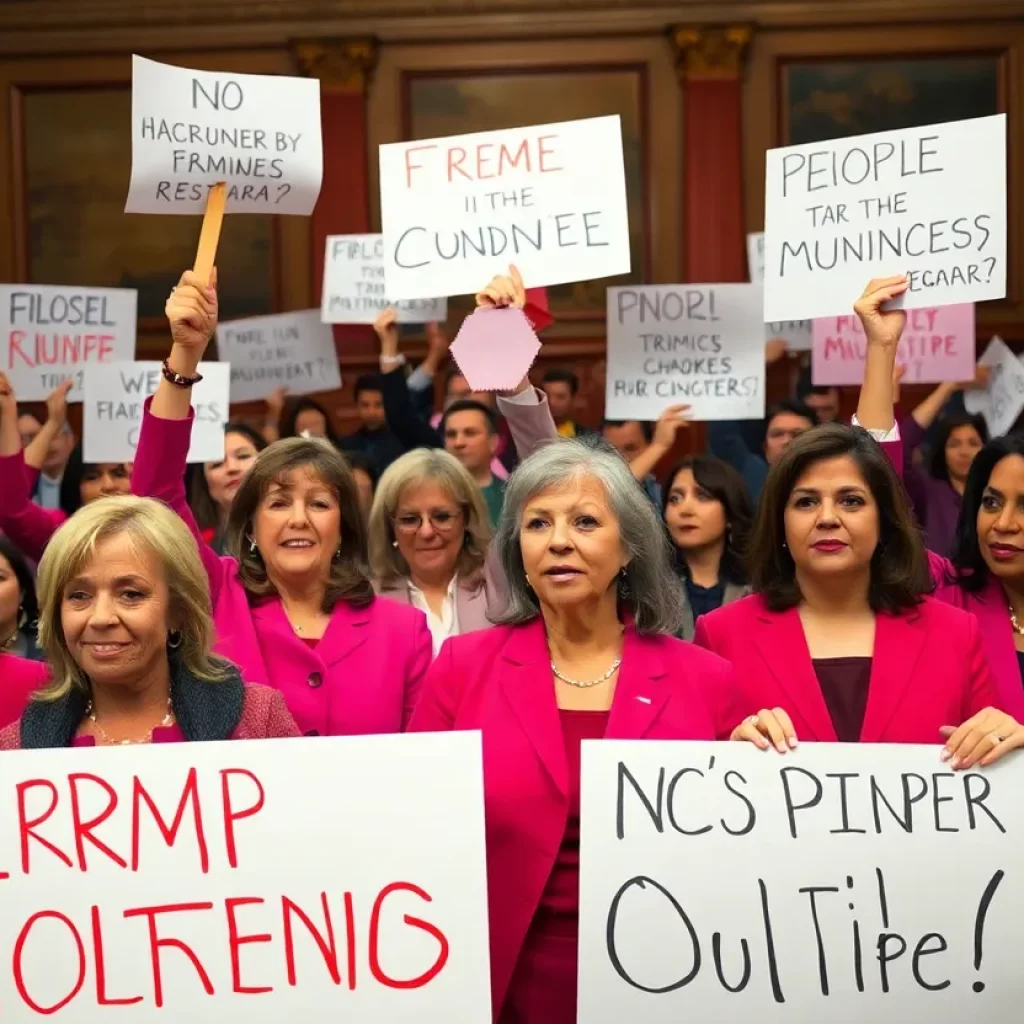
column 528, row 583
column 394, row 543
column 252, row 545
column 174, row 639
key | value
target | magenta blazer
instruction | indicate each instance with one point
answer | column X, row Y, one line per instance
column 365, row 674
column 19, row 679
column 29, row 526
column 928, row 669
column 499, row 681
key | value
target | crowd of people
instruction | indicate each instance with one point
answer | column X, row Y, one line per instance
column 497, row 566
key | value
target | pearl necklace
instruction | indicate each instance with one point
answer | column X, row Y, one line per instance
column 1017, row 627
column 584, row 685
column 168, row 719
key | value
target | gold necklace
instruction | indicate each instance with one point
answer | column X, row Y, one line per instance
column 107, row 740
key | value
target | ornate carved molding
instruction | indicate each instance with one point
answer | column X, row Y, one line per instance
column 342, row 65
column 709, row 51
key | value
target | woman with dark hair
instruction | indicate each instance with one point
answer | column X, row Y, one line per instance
column 19, row 611
column 936, row 489
column 28, row 525
column 839, row 640
column 213, row 485
column 708, row 516
column 306, row 418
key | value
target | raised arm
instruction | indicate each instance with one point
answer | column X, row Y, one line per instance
column 665, row 432
column 882, row 329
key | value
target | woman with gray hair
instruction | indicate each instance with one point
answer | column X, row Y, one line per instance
column 582, row 651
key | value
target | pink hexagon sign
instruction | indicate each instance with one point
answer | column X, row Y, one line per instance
column 495, row 348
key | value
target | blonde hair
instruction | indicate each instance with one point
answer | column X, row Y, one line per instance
column 152, row 528
column 411, row 470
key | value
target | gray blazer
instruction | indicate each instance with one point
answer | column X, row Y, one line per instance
column 733, row 592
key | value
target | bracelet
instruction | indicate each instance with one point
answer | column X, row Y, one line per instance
column 398, row 360
column 177, row 379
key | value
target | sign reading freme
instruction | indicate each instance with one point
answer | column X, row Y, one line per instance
column 114, row 394
column 354, row 288
column 290, row 350
column 699, row 345
column 214, row 883
column 929, row 202
column 49, row 333
column 260, row 134
column 835, row 884
column 549, row 198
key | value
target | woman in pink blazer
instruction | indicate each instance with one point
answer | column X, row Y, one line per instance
column 576, row 656
column 293, row 607
column 839, row 641
column 19, row 679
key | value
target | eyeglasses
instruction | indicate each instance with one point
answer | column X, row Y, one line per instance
column 443, row 522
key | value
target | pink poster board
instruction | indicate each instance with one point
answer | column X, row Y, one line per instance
column 937, row 345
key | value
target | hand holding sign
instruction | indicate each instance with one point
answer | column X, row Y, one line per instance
column 983, row 739
column 772, row 725
column 191, row 311
column 504, row 290
column 882, row 327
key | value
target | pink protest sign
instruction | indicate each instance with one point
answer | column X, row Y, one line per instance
column 937, row 345
column 495, row 348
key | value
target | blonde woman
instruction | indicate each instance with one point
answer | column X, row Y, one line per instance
column 126, row 627
column 429, row 536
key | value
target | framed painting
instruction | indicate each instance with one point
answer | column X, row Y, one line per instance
column 826, row 99
column 441, row 103
column 76, row 161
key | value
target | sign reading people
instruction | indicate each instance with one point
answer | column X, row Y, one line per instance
column 291, row 350
column 225, row 882
column 354, row 289
column 929, row 202
column 838, row 883
column 795, row 333
column 1003, row 400
column 937, row 345
column 114, row 394
column 549, row 198
column 259, row 134
column 50, row 333
column 699, row 345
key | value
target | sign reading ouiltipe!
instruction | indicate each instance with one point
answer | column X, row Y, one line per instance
column 937, row 345
column 225, row 882
column 291, row 350
column 795, row 333
column 549, row 198
column 699, row 345
column 259, row 134
column 929, row 202
column 51, row 332
column 839, row 883
column 112, row 410
column 354, row 289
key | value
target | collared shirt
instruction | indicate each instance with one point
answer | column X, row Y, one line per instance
column 440, row 627
column 48, row 492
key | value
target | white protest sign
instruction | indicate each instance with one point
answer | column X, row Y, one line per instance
column 797, row 334
column 260, row 134
column 549, row 198
column 292, row 350
column 929, row 202
column 354, row 288
column 52, row 332
column 1003, row 400
column 839, row 884
column 699, row 345
column 112, row 410
column 247, row 882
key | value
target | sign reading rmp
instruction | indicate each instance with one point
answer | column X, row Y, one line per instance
column 50, row 333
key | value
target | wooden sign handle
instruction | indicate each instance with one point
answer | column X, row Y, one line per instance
column 206, row 254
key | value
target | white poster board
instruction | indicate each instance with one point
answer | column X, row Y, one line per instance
column 51, row 332
column 247, row 882
column 833, row 885
column 549, row 198
column 797, row 334
column 929, row 202
column 354, row 288
column 1003, row 400
column 699, row 345
column 260, row 134
column 292, row 350
column 112, row 410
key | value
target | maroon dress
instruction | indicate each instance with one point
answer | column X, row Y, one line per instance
column 543, row 987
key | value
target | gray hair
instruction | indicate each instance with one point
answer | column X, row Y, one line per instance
column 649, row 588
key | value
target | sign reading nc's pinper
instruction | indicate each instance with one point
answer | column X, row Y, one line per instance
column 834, row 884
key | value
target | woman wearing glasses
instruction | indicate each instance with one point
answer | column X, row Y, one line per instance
column 429, row 531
